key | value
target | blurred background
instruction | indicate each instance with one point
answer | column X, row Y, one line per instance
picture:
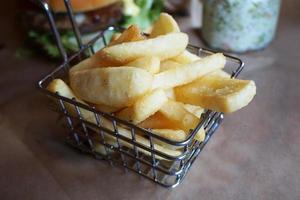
column 254, row 155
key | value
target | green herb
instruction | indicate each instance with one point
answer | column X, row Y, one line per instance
column 48, row 43
column 149, row 12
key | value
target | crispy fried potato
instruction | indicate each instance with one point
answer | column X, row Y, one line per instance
column 63, row 89
column 158, row 121
column 131, row 34
column 114, row 37
column 164, row 47
column 88, row 63
column 113, row 86
column 58, row 85
column 196, row 110
column 186, row 57
column 174, row 135
column 219, row 94
column 175, row 112
column 168, row 64
column 164, row 25
column 144, row 107
column 219, row 73
column 170, row 93
column 150, row 64
column 139, row 139
column 105, row 108
column 188, row 73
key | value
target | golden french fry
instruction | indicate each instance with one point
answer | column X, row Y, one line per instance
column 139, row 139
column 196, row 110
column 164, row 47
column 186, row 57
column 63, row 89
column 131, row 34
column 88, row 63
column 113, row 86
column 144, row 107
column 58, row 85
column 176, row 113
column 106, row 108
column 164, row 25
column 219, row 94
column 170, row 93
column 168, row 64
column 158, row 121
column 188, row 73
column 150, row 64
column 174, row 135
column 115, row 37
column 219, row 73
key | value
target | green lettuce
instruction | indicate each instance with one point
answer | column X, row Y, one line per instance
column 47, row 42
column 149, row 12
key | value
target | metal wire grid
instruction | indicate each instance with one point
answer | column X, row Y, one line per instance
column 100, row 135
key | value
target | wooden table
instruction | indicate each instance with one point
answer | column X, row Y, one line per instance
column 254, row 155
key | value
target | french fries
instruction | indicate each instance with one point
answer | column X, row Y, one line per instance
column 150, row 64
column 105, row 108
column 155, row 83
column 131, row 34
column 139, row 139
column 170, row 93
column 184, row 120
column 114, row 37
column 164, row 25
column 196, row 110
column 219, row 73
column 219, row 94
column 158, row 121
column 113, row 86
column 88, row 63
column 168, row 64
column 57, row 85
column 188, row 73
column 173, row 135
column 186, row 57
column 144, row 107
column 163, row 47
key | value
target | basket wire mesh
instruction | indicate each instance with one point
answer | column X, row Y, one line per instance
column 122, row 143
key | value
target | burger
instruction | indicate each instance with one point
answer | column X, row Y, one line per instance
column 91, row 17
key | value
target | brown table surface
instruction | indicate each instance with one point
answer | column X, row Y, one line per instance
column 254, row 155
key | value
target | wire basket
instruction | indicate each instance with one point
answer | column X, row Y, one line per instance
column 122, row 143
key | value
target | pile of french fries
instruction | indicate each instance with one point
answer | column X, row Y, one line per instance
column 154, row 82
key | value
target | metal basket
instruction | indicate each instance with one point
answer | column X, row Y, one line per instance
column 120, row 142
